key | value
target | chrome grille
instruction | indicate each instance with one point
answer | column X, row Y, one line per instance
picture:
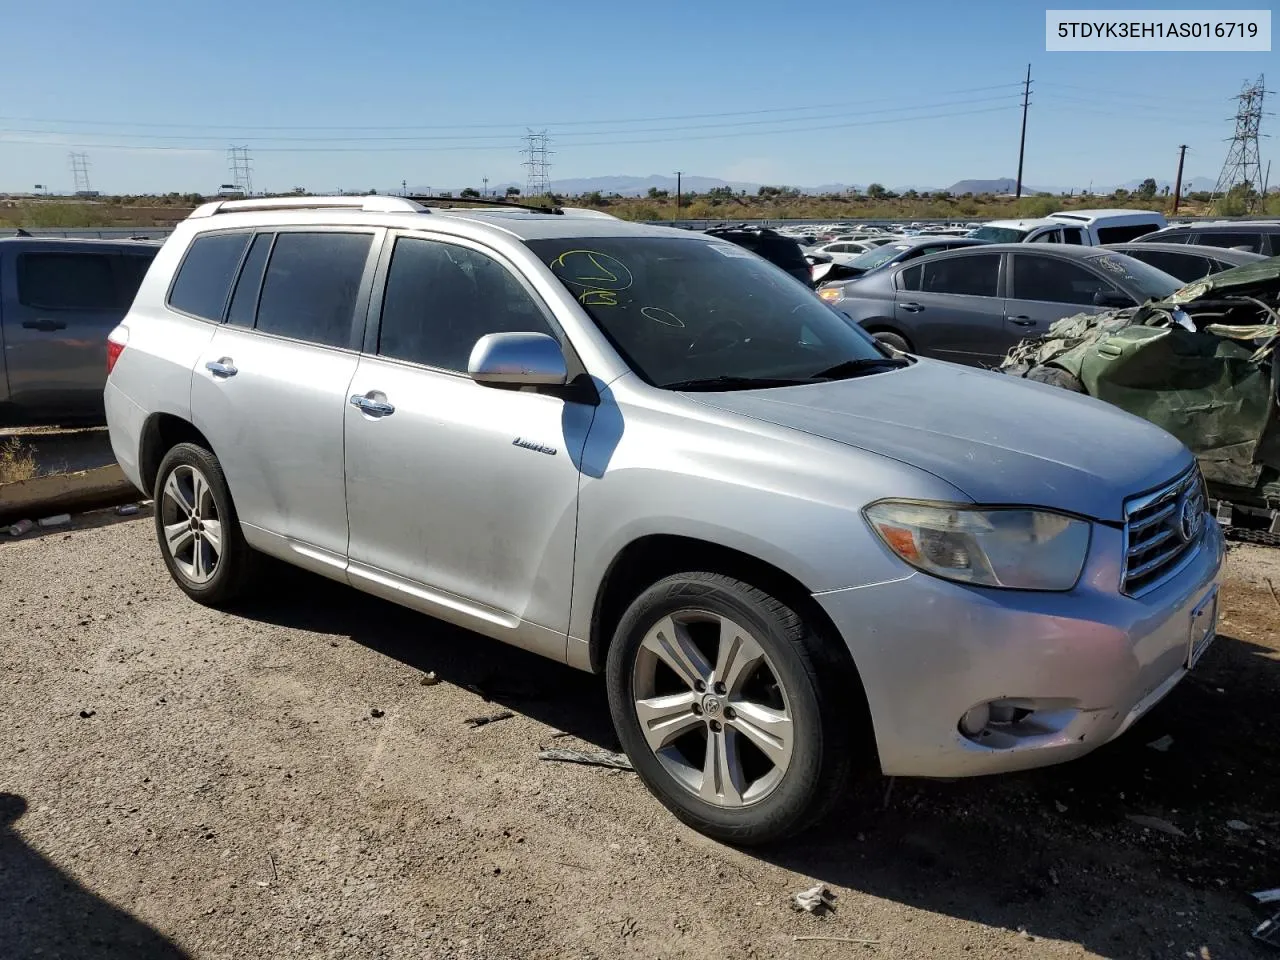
column 1162, row 532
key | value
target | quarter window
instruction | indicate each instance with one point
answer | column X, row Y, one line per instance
column 440, row 299
column 204, row 279
column 244, row 302
column 973, row 276
column 310, row 287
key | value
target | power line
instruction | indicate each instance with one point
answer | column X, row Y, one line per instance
column 825, row 127
column 492, row 126
column 593, row 133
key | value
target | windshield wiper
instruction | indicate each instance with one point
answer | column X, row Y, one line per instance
column 737, row 383
column 853, row 368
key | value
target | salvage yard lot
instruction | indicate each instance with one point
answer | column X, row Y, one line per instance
column 278, row 781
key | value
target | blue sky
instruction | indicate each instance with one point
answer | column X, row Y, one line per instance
column 920, row 93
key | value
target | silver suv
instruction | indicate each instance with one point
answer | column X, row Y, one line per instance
column 794, row 554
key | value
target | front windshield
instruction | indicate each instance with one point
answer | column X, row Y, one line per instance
column 878, row 256
column 999, row 234
column 1138, row 276
column 689, row 309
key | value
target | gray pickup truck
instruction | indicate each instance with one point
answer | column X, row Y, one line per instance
column 59, row 299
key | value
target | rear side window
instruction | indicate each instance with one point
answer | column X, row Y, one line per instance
column 67, row 281
column 1176, row 236
column 1185, row 266
column 1126, row 233
column 1250, row 241
column 310, row 287
column 974, row 276
column 1055, row 281
column 1072, row 235
column 204, row 279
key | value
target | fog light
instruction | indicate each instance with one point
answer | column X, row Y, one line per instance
column 976, row 720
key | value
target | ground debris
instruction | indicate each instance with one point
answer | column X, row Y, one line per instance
column 429, row 679
column 817, row 899
column 1154, row 823
column 21, row 527
column 1238, row 825
column 1268, row 931
column 602, row 758
column 1267, row 896
column 86, row 714
column 1162, row 744
column 491, row 718
column 376, row 713
column 127, row 509
column 57, row 520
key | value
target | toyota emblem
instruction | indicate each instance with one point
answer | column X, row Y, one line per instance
column 1189, row 519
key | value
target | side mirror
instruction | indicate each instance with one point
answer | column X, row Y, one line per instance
column 1110, row 298
column 519, row 359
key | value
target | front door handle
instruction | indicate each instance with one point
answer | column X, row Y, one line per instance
column 44, row 325
column 222, row 369
column 911, row 307
column 371, row 407
column 1022, row 321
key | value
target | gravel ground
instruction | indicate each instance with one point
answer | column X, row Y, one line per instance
column 279, row 782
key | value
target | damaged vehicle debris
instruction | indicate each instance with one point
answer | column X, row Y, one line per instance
column 1200, row 364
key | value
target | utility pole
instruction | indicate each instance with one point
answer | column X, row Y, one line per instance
column 1022, row 141
column 678, row 175
column 1177, row 181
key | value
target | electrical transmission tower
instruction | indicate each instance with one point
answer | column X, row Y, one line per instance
column 1244, row 163
column 241, row 169
column 80, row 172
column 538, row 183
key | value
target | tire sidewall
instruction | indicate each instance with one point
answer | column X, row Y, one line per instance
column 895, row 340
column 186, row 454
column 786, row 807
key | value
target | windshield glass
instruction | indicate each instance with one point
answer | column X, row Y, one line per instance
column 878, row 256
column 999, row 234
column 687, row 309
column 1138, row 276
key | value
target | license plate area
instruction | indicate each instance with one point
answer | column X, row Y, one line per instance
column 1203, row 628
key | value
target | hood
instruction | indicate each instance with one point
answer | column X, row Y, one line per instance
column 999, row 439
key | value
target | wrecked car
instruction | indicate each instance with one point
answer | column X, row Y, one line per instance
column 1199, row 363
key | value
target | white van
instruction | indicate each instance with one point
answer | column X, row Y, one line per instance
column 1088, row 228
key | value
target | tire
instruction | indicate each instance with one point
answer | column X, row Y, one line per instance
column 755, row 797
column 1056, row 377
column 212, row 569
column 897, row 341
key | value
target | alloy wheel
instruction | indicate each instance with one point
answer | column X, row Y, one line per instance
column 192, row 526
column 712, row 708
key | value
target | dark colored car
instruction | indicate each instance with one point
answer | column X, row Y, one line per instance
column 971, row 306
column 908, row 248
column 1187, row 263
column 1256, row 236
column 781, row 251
column 58, row 301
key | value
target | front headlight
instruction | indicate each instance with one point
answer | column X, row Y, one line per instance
column 1015, row 548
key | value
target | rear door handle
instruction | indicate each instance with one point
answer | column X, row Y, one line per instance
column 44, row 325
column 372, row 407
column 911, row 307
column 1022, row 321
column 222, row 368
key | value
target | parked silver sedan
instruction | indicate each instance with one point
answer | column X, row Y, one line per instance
column 971, row 306
column 794, row 554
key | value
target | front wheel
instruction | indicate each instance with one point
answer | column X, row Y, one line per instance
column 730, row 707
column 897, row 341
column 197, row 527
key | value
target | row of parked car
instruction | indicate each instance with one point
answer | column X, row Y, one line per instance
column 59, row 296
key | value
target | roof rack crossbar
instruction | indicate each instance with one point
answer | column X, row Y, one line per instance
column 374, row 203
column 433, row 201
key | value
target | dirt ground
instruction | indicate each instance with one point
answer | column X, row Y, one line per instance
column 278, row 782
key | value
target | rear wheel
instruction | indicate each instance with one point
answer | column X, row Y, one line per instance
column 729, row 707
column 197, row 527
column 895, row 340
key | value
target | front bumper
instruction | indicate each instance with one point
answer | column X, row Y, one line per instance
column 1088, row 663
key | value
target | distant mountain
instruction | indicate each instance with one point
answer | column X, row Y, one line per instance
column 1000, row 185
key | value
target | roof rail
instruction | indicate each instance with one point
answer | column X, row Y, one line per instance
column 374, row 203
column 431, row 201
